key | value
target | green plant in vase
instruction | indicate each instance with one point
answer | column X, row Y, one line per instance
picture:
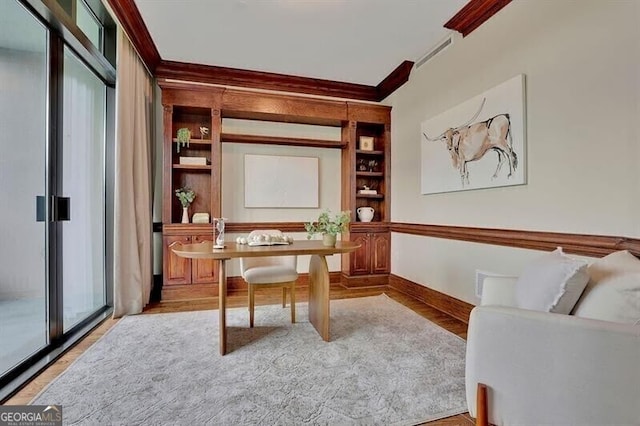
column 183, row 136
column 328, row 226
column 186, row 197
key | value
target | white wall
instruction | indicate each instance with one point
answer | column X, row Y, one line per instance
column 581, row 61
column 233, row 178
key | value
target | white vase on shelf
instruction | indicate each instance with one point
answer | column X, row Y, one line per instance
column 185, row 215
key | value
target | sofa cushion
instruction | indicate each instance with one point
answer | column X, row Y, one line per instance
column 551, row 283
column 613, row 292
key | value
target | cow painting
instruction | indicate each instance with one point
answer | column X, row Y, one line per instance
column 471, row 141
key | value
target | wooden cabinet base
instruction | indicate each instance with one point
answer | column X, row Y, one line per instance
column 358, row 281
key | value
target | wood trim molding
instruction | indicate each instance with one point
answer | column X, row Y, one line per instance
column 393, row 81
column 442, row 302
column 212, row 74
column 129, row 16
column 581, row 244
column 250, row 226
column 474, row 14
column 197, row 291
column 277, row 140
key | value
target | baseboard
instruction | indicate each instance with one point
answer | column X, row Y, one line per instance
column 442, row 302
column 199, row 291
column 360, row 281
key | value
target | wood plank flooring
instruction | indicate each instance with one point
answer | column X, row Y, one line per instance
column 239, row 299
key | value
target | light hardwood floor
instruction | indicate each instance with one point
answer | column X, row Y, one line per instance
column 238, row 299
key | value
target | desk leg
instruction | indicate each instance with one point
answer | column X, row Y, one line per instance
column 222, row 306
column 319, row 295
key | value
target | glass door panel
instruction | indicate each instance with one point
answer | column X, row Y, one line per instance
column 83, row 151
column 23, row 159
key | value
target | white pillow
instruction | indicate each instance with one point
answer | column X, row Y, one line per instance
column 613, row 292
column 552, row 283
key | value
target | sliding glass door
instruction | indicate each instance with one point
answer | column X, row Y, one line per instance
column 55, row 115
column 83, row 153
column 23, row 177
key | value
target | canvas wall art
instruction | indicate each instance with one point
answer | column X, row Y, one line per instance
column 479, row 143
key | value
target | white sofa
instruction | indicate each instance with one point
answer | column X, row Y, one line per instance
column 550, row 369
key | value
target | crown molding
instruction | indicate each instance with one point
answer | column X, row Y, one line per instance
column 393, row 81
column 474, row 14
column 129, row 16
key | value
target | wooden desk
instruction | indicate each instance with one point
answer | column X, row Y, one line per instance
column 318, row 274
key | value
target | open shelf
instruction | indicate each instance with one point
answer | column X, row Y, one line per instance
column 196, row 141
column 192, row 167
column 370, row 174
column 377, row 153
column 374, row 196
column 277, row 140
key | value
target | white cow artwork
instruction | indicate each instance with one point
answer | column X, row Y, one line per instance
column 486, row 150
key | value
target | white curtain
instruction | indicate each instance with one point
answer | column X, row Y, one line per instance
column 133, row 175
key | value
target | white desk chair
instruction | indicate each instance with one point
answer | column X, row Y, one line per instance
column 268, row 272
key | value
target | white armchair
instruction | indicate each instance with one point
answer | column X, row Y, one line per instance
column 552, row 369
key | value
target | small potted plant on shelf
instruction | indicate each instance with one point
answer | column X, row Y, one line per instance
column 328, row 226
column 186, row 197
column 183, row 136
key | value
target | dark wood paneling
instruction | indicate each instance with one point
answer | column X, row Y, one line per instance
column 130, row 18
column 474, row 14
column 276, row 140
column 393, row 81
column 365, row 113
column 263, row 80
column 445, row 303
column 250, row 226
column 362, row 281
column 381, row 252
column 176, row 269
column 582, row 244
column 283, row 108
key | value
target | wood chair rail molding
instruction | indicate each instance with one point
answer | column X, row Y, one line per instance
column 581, row 244
column 474, row 14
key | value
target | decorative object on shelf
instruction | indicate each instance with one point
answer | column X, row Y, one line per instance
column 219, row 222
column 183, row 136
column 186, row 197
column 265, row 240
column 366, row 143
column 200, row 218
column 365, row 214
column 204, row 131
column 362, row 165
column 329, row 227
column 193, row 161
column 372, row 165
column 367, row 191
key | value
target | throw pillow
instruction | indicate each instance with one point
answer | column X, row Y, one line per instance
column 551, row 283
column 613, row 292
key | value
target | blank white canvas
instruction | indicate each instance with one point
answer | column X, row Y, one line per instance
column 274, row 181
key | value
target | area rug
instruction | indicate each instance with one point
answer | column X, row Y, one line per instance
column 385, row 365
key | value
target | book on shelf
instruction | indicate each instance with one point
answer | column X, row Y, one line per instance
column 367, row 191
column 193, row 161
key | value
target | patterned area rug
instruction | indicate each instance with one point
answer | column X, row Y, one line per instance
column 385, row 365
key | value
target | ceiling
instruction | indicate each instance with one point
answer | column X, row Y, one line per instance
column 354, row 41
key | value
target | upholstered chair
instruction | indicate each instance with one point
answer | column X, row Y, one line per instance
column 268, row 272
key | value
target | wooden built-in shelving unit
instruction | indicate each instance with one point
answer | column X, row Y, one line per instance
column 194, row 106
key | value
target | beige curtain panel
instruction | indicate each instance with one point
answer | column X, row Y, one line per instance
column 133, row 179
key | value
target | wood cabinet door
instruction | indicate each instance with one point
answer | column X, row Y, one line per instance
column 204, row 271
column 380, row 248
column 360, row 258
column 177, row 270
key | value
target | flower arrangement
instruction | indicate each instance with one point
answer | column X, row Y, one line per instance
column 186, row 196
column 328, row 225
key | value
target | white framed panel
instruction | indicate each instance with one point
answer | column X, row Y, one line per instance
column 275, row 181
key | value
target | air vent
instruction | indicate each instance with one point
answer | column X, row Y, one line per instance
column 439, row 48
